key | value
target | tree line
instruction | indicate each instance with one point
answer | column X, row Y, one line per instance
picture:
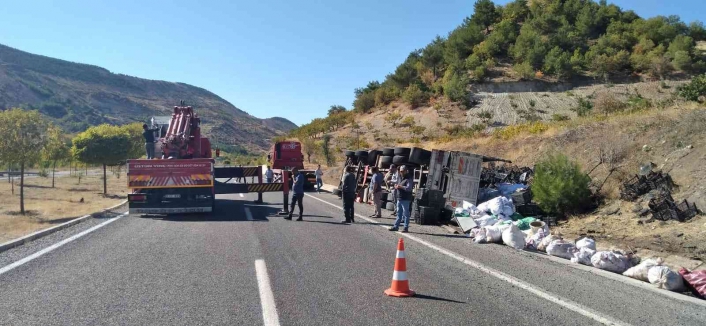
column 27, row 137
column 557, row 38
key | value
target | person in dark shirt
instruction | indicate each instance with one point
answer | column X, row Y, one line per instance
column 350, row 185
column 149, row 140
column 403, row 191
column 297, row 194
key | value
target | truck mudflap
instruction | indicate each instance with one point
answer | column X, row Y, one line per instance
column 171, row 201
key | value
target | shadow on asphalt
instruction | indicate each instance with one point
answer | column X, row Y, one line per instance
column 227, row 210
column 429, row 297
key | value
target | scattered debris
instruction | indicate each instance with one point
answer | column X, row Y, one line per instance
column 643, row 184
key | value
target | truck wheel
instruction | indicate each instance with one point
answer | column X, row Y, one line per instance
column 388, row 152
column 362, row 155
column 399, row 160
column 350, row 153
column 402, row 151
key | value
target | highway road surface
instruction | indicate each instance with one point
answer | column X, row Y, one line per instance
column 247, row 266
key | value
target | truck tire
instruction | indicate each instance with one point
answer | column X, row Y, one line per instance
column 388, row 152
column 361, row 155
column 399, row 160
column 350, row 153
column 402, row 151
column 373, row 157
column 385, row 162
column 419, row 156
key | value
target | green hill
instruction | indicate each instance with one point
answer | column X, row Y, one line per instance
column 77, row 95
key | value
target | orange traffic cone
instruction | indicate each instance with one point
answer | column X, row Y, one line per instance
column 400, row 284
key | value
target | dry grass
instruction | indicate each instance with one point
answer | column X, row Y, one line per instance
column 46, row 206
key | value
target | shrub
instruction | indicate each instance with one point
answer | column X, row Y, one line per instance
column 385, row 95
column 584, row 107
column 485, row 116
column 455, row 88
column 364, row 102
column 408, row 121
column 510, row 132
column 693, row 90
column 637, row 102
column 559, row 185
column 682, row 61
column 532, row 103
column 524, row 70
column 607, row 103
column 415, row 96
column 560, row 117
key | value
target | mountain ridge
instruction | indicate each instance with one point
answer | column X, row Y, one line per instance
column 77, row 95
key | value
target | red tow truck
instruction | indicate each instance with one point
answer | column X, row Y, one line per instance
column 286, row 155
column 184, row 180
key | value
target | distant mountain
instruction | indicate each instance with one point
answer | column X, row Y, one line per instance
column 77, row 96
column 278, row 123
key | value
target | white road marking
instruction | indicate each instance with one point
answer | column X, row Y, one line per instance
column 248, row 214
column 55, row 246
column 564, row 302
column 241, row 195
column 267, row 298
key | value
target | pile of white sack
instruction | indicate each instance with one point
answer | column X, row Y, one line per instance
column 584, row 252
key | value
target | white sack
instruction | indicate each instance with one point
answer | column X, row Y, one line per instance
column 665, row 278
column 610, row 261
column 640, row 271
column 514, row 237
column 493, row 233
column 542, row 246
column 583, row 256
column 586, row 243
column 534, row 240
column 561, row 248
column 479, row 235
column 498, row 206
column 486, row 220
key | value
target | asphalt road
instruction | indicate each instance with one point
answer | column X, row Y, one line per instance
column 245, row 265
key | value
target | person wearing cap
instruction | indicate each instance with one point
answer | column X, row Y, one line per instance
column 348, row 190
column 403, row 193
column 391, row 180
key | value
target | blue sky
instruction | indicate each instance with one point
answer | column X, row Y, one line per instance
column 268, row 57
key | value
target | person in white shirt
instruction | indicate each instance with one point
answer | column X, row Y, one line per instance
column 319, row 180
column 269, row 175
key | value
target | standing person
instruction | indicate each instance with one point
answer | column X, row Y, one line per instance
column 391, row 180
column 403, row 191
column 376, row 190
column 348, row 194
column 297, row 194
column 319, row 180
column 149, row 140
column 269, row 175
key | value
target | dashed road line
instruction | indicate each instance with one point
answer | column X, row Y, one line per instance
column 267, row 298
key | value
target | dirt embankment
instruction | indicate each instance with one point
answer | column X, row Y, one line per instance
column 613, row 148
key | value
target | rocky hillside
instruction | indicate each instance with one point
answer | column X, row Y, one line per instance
column 77, row 96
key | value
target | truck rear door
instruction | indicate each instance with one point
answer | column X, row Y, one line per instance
column 464, row 178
